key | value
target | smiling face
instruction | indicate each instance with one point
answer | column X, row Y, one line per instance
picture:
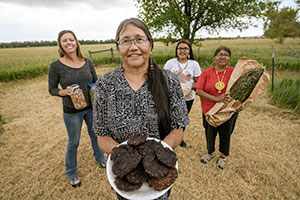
column 136, row 55
column 222, row 59
column 68, row 43
column 183, row 51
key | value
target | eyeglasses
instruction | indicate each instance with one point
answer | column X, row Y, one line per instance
column 222, row 55
column 128, row 42
column 183, row 49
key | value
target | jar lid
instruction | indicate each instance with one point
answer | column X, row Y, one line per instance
column 75, row 86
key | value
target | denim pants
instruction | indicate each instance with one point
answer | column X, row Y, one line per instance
column 73, row 124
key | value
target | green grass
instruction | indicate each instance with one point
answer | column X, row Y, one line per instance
column 20, row 63
column 23, row 72
column 286, row 94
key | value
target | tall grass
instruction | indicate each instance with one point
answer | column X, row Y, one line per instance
column 23, row 72
column 286, row 94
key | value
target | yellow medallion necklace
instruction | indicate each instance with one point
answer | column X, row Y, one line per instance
column 220, row 85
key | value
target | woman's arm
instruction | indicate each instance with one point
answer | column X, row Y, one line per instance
column 221, row 98
column 106, row 144
column 174, row 138
column 195, row 81
column 53, row 82
column 65, row 92
column 93, row 71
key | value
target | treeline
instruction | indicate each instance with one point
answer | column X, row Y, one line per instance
column 43, row 43
column 48, row 43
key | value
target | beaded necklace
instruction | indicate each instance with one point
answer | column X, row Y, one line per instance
column 179, row 66
column 220, row 85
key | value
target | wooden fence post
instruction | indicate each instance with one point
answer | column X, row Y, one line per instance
column 90, row 53
column 112, row 54
column 273, row 61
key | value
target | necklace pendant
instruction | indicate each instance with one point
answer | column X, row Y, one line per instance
column 220, row 86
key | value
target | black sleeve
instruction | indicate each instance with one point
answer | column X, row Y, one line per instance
column 93, row 70
column 53, row 80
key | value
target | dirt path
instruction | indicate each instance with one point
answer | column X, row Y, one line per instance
column 263, row 163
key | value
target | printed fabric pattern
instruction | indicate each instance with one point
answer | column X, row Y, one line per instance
column 119, row 111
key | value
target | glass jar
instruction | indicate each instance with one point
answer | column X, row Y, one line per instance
column 77, row 97
column 92, row 92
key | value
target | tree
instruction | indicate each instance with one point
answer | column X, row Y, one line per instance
column 184, row 18
column 280, row 24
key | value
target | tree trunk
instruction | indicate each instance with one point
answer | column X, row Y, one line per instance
column 188, row 14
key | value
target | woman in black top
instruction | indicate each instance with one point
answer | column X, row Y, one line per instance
column 72, row 68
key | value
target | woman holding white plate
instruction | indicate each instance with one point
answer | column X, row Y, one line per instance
column 138, row 96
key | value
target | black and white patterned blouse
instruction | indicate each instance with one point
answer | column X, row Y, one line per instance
column 119, row 111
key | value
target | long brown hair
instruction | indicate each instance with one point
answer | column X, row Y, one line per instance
column 157, row 84
column 61, row 51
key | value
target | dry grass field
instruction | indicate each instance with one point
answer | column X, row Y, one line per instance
column 264, row 161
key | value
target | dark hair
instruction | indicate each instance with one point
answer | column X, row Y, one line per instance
column 61, row 51
column 222, row 48
column 190, row 46
column 157, row 84
column 136, row 22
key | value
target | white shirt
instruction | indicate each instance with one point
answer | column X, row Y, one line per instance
column 185, row 73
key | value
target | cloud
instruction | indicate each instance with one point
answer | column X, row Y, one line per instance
column 97, row 4
column 21, row 22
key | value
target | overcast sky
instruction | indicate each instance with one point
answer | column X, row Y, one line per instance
column 35, row 20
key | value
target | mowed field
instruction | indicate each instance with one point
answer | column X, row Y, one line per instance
column 263, row 163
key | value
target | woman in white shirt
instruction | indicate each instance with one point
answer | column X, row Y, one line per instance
column 187, row 70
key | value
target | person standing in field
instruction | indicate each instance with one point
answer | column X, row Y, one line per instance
column 211, row 87
column 72, row 68
column 187, row 69
column 138, row 96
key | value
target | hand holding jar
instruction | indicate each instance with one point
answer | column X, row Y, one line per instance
column 77, row 97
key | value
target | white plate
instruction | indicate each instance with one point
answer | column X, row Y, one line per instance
column 145, row 192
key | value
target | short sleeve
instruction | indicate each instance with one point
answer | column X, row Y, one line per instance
column 201, row 81
column 167, row 65
column 197, row 69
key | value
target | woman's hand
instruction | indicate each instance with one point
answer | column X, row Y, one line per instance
column 66, row 92
column 240, row 108
column 69, row 90
column 225, row 98
column 106, row 144
column 174, row 138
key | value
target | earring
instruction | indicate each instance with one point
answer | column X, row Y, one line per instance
column 151, row 64
column 122, row 70
column 189, row 56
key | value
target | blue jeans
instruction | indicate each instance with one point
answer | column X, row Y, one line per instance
column 73, row 124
